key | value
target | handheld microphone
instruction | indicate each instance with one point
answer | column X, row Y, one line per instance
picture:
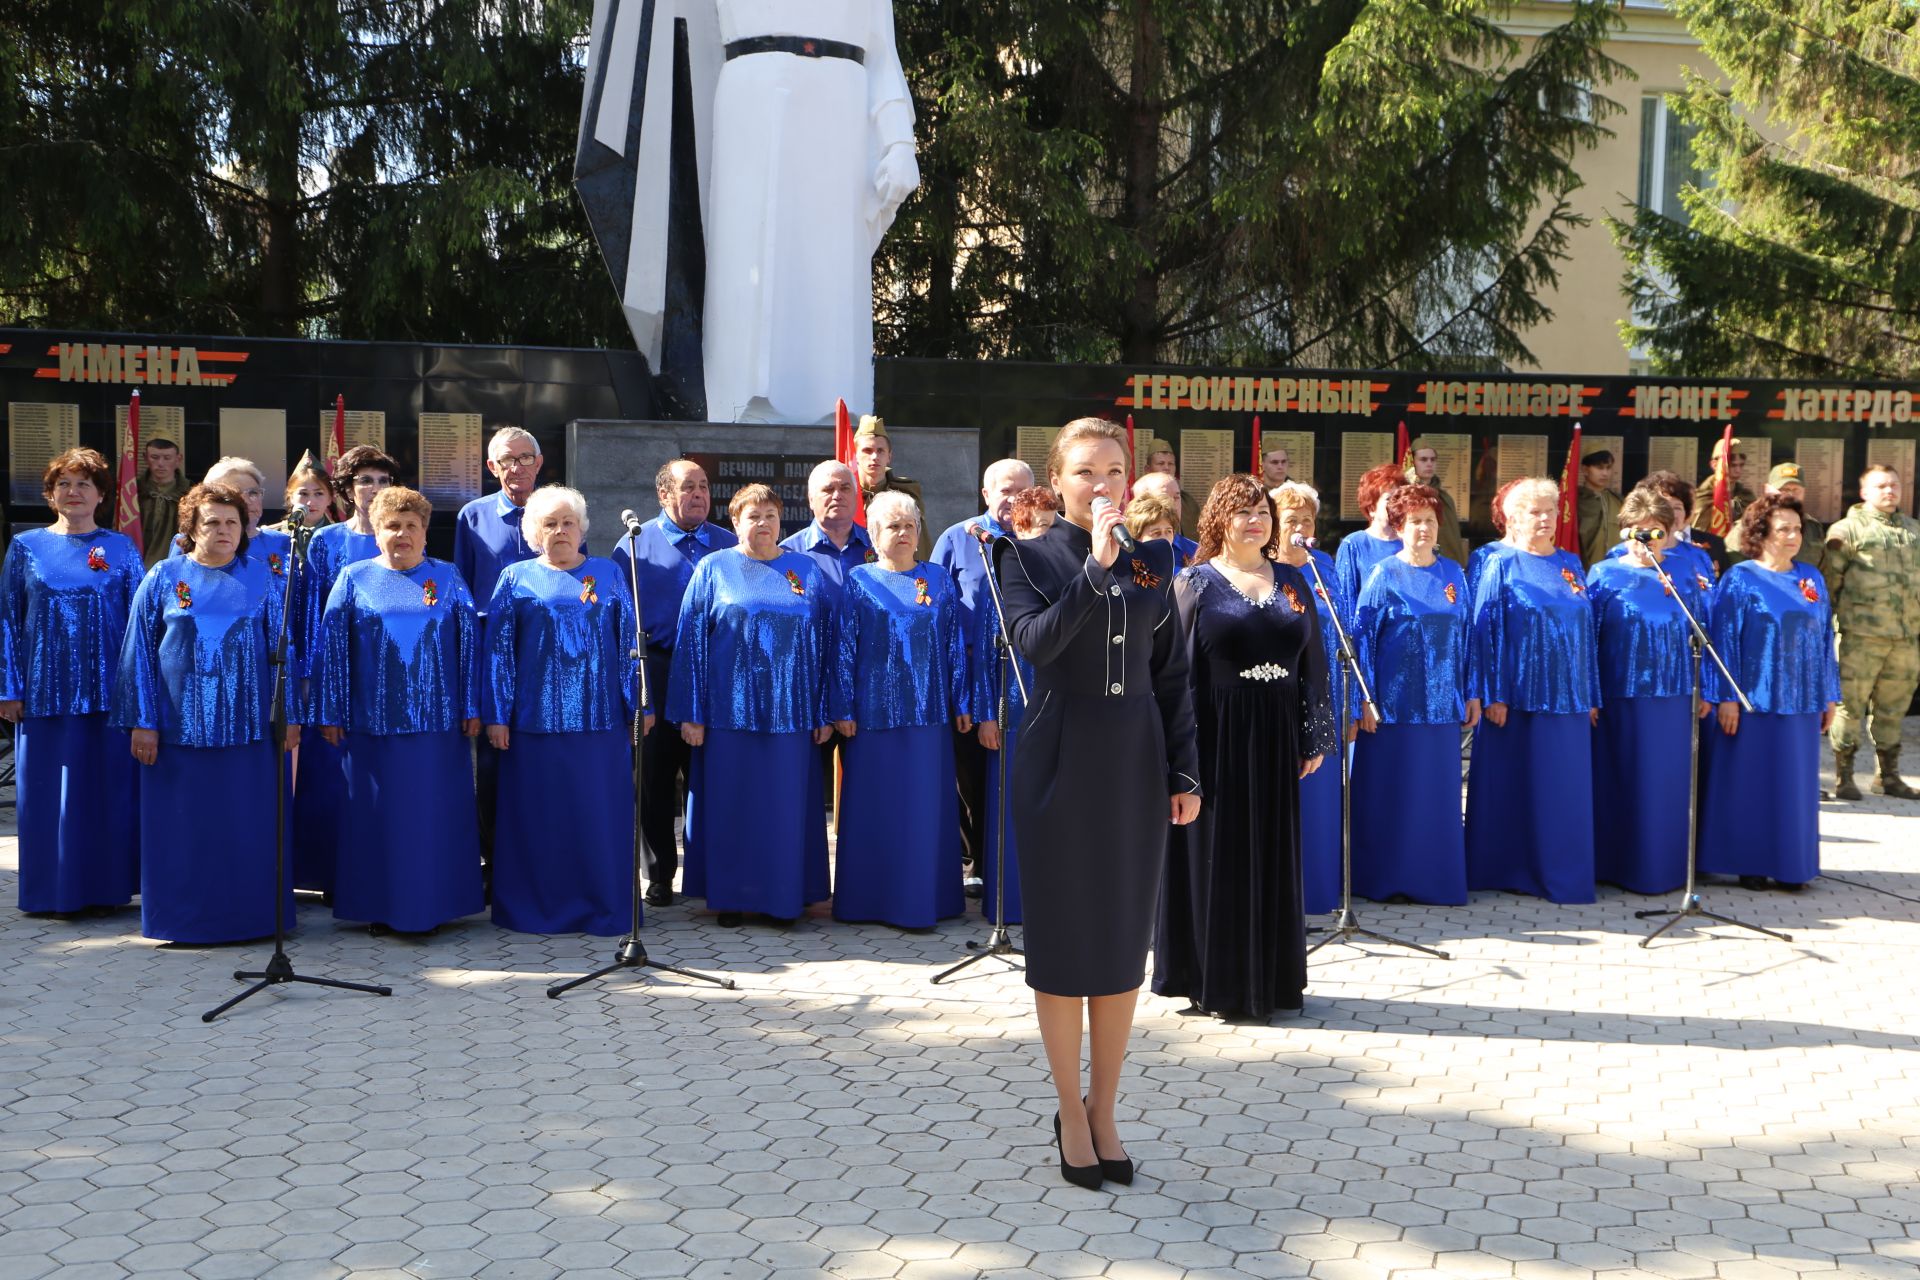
column 1120, row 535
column 1303, row 541
column 1646, row 536
column 632, row 521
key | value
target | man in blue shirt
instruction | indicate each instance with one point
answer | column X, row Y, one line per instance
column 958, row 552
column 666, row 550
column 834, row 541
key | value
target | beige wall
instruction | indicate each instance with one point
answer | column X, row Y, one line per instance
column 1584, row 334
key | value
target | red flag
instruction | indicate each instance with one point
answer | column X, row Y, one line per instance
column 1720, row 521
column 127, row 490
column 1127, row 497
column 1567, row 536
column 332, row 444
column 1258, row 469
column 1403, row 447
column 843, row 452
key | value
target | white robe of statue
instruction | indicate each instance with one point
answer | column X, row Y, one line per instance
column 812, row 158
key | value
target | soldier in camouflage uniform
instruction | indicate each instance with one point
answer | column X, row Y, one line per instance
column 1873, row 575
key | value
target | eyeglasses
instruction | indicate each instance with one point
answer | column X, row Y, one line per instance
column 519, row 460
column 372, row 482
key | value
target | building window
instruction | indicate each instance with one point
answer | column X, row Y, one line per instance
column 1666, row 158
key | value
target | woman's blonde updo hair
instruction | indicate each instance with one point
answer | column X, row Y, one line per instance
column 1079, row 431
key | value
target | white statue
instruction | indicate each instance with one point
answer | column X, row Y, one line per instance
column 802, row 153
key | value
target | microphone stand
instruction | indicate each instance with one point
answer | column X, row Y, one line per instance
column 632, row 953
column 1346, row 925
column 279, row 970
column 999, row 944
column 1690, row 907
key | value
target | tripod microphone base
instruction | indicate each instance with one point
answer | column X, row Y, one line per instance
column 279, row 972
column 998, row 946
column 1690, row 909
column 632, row 954
column 1347, row 927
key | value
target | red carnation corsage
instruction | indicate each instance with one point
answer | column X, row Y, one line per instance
column 1810, row 591
column 873, row 557
column 97, row 559
column 1143, row 576
column 184, row 594
column 1703, row 582
column 1453, row 594
column 1294, row 602
column 793, row 581
column 1573, row 580
column 920, row 593
column 274, row 563
column 430, row 593
column 1320, row 590
column 588, row 595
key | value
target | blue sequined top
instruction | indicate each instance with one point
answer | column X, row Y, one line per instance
column 559, row 649
column 1775, row 633
column 63, row 614
column 754, row 641
column 900, row 660
column 331, row 548
column 959, row 553
column 668, row 555
column 1477, row 563
column 1533, row 644
column 399, row 652
column 1355, row 557
column 1412, row 638
column 1642, row 634
column 1688, row 558
column 196, row 664
column 1326, row 603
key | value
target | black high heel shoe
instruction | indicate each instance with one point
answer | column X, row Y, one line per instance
column 1080, row 1175
column 1120, row 1171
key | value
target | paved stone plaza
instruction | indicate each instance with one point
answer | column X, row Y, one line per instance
column 1555, row 1101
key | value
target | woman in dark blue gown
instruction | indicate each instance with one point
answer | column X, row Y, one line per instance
column 557, row 692
column 900, row 669
column 320, row 781
column 64, row 597
column 1232, row 934
column 749, row 692
column 195, row 687
column 1298, row 509
column 1106, row 760
column 1412, row 635
column 1640, row 809
column 1773, row 626
column 399, row 656
column 1534, row 668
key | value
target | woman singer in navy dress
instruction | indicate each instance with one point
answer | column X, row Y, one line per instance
column 1535, row 671
column 557, row 693
column 1412, row 636
column 749, row 692
column 320, row 781
column 1107, row 757
column 1640, row 767
column 1773, row 626
column 64, row 596
column 195, row 687
column 1298, row 510
column 1232, row 935
column 398, row 681
column 900, row 668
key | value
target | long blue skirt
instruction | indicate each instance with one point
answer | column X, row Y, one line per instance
column 206, row 844
column 1640, row 793
column 990, row 870
column 756, row 831
column 563, row 833
column 1407, row 832
column 412, row 860
column 1760, row 804
column 1320, row 838
column 319, row 808
column 898, row 856
column 78, row 792
column 1530, row 806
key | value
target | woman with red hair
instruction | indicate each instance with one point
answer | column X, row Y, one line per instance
column 1358, row 552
